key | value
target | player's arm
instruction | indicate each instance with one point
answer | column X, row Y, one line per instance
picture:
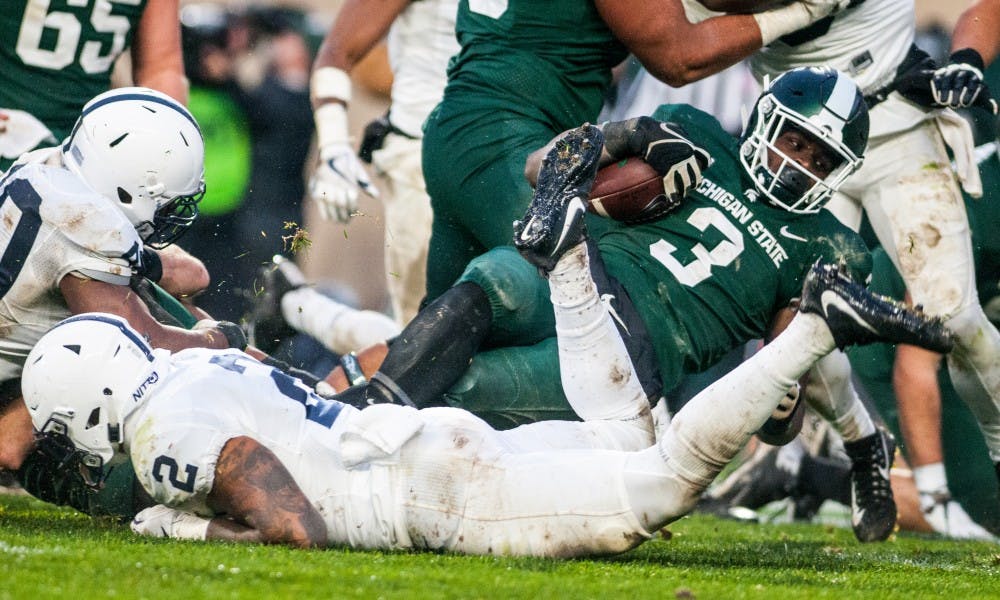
column 678, row 52
column 261, row 498
column 360, row 25
column 340, row 177
column 157, row 61
column 978, row 28
column 83, row 294
column 181, row 274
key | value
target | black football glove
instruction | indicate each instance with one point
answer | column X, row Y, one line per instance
column 666, row 148
column 959, row 84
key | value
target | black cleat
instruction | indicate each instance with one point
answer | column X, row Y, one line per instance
column 266, row 326
column 873, row 509
column 857, row 316
column 554, row 221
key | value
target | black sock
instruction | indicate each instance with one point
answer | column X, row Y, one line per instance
column 431, row 353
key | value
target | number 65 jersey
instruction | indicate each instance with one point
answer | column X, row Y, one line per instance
column 51, row 225
column 713, row 274
column 57, row 55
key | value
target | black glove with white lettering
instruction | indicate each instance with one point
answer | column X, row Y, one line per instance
column 666, row 148
column 959, row 84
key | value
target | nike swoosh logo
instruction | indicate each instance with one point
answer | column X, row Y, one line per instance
column 830, row 298
column 606, row 301
column 527, row 227
column 788, row 234
column 574, row 208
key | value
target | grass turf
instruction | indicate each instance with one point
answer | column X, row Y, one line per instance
column 56, row 553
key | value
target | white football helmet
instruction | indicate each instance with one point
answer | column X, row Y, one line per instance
column 143, row 151
column 80, row 382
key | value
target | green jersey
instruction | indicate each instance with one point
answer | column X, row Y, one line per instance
column 526, row 70
column 714, row 273
column 548, row 61
column 58, row 54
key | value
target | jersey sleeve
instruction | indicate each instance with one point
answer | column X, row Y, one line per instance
column 89, row 234
column 175, row 457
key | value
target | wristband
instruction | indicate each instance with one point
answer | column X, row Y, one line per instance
column 968, row 56
column 352, row 368
column 150, row 265
column 330, row 83
column 187, row 526
column 331, row 126
column 778, row 22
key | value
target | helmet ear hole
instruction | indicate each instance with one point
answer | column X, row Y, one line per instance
column 124, row 197
column 94, row 418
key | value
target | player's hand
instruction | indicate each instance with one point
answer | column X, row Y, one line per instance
column 666, row 148
column 3, row 121
column 959, row 84
column 165, row 522
column 337, row 181
column 823, row 8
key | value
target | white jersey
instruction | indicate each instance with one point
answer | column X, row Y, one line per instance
column 209, row 397
column 52, row 224
column 421, row 41
column 867, row 42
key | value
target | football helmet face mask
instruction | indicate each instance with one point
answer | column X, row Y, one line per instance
column 80, row 382
column 144, row 152
column 827, row 107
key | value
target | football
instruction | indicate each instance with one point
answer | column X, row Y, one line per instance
column 629, row 190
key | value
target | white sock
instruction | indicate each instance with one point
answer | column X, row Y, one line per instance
column 597, row 373
column 708, row 432
column 337, row 326
column 831, row 393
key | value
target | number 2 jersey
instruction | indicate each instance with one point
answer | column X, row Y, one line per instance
column 713, row 274
column 207, row 397
column 51, row 225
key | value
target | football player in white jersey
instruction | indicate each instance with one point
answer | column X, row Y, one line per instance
column 267, row 460
column 907, row 186
column 421, row 39
column 78, row 221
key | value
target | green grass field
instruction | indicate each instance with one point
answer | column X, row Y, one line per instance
column 53, row 553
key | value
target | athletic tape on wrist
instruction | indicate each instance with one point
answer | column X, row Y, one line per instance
column 331, row 125
column 330, row 83
column 781, row 21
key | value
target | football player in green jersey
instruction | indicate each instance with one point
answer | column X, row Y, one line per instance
column 721, row 269
column 524, row 74
column 57, row 57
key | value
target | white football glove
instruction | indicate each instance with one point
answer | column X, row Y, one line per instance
column 340, row 175
column 337, row 180
column 165, row 522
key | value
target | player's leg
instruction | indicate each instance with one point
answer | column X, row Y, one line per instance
column 408, row 219
column 598, row 501
column 286, row 304
column 917, row 211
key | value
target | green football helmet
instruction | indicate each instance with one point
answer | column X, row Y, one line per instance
column 824, row 104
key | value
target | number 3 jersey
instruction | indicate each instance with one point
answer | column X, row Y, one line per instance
column 713, row 273
column 51, row 225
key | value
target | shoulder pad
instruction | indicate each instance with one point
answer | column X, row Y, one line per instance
column 81, row 215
